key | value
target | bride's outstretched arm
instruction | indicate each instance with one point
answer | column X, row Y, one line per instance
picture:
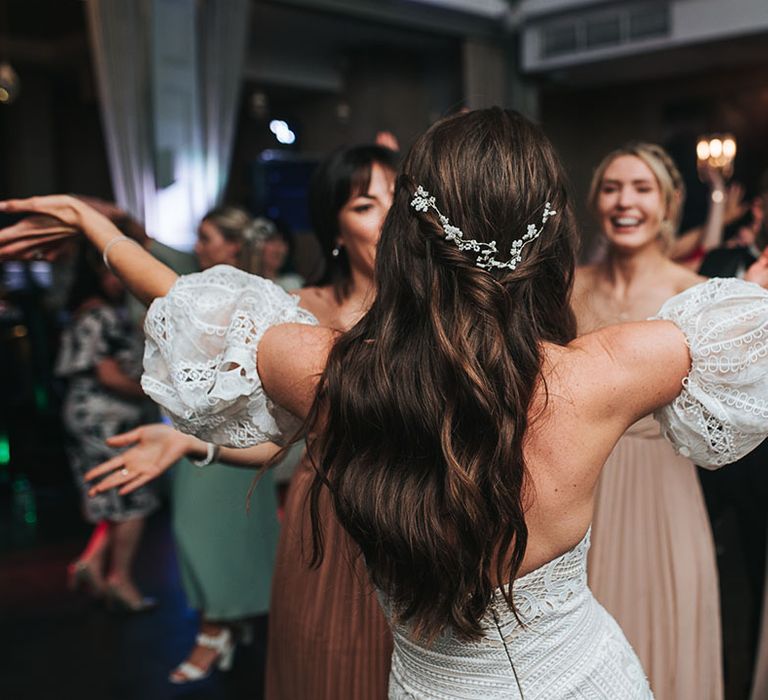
column 144, row 276
column 153, row 449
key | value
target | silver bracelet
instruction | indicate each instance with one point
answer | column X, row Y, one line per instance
column 211, row 454
column 112, row 242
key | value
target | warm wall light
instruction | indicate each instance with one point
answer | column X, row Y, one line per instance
column 9, row 84
column 717, row 151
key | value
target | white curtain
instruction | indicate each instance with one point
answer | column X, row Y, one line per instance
column 223, row 36
column 127, row 75
column 120, row 48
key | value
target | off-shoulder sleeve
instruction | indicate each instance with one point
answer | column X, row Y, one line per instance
column 722, row 412
column 200, row 356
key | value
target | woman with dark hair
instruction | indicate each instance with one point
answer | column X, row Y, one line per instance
column 327, row 635
column 458, row 427
column 100, row 358
column 328, row 639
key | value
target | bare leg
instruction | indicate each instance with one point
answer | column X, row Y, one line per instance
column 88, row 569
column 94, row 554
column 124, row 538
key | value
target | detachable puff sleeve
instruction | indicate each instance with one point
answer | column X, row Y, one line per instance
column 200, row 356
column 722, row 412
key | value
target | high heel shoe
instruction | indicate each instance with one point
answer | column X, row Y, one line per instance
column 222, row 644
column 118, row 601
column 80, row 576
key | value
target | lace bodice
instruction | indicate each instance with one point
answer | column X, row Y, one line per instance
column 569, row 647
column 200, row 355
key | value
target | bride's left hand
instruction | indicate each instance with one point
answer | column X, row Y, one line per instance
column 152, row 450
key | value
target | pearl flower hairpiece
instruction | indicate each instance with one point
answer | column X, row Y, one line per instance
column 486, row 259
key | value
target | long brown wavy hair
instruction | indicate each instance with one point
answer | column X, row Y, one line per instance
column 423, row 406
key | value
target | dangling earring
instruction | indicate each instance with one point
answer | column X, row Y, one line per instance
column 336, row 251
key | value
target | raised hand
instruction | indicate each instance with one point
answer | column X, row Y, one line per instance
column 58, row 219
column 35, row 237
column 735, row 204
column 155, row 448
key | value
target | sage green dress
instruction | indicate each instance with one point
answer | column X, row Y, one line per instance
column 226, row 553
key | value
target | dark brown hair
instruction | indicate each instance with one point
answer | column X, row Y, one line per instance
column 343, row 174
column 425, row 401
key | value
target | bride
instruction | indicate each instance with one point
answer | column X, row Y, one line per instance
column 461, row 428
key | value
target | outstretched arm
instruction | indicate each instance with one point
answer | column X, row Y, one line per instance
column 144, row 276
column 633, row 369
column 715, row 411
column 155, row 448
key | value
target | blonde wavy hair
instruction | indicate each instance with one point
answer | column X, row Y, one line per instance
column 238, row 226
column 667, row 176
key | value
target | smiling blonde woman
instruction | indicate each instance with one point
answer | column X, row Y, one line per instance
column 649, row 507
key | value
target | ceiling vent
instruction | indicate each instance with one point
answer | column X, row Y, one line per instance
column 594, row 30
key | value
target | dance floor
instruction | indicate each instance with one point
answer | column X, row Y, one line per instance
column 57, row 645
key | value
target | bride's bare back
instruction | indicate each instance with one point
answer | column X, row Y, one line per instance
column 597, row 387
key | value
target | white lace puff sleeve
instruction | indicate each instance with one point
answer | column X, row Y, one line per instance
column 200, row 356
column 722, row 412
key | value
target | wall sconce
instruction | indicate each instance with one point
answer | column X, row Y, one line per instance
column 9, row 84
column 717, row 152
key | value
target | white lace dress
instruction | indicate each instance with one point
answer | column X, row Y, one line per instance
column 200, row 364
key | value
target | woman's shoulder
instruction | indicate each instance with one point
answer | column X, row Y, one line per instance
column 682, row 278
column 584, row 277
column 319, row 301
column 644, row 360
column 291, row 359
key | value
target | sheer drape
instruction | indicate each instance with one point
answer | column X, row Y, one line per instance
column 120, row 34
column 120, row 47
column 223, row 32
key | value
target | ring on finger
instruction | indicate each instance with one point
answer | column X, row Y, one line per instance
column 124, row 472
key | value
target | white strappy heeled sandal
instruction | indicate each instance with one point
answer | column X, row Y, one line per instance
column 222, row 643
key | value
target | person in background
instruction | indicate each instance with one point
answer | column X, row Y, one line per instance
column 328, row 639
column 742, row 489
column 726, row 205
column 649, row 506
column 100, row 359
column 275, row 256
column 226, row 555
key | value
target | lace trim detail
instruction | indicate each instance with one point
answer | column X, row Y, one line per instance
column 201, row 351
column 722, row 412
column 546, row 589
column 568, row 647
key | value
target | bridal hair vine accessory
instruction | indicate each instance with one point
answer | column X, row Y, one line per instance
column 422, row 201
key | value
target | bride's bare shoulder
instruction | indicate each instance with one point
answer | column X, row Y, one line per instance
column 630, row 368
column 291, row 359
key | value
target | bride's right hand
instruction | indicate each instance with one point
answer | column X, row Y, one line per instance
column 62, row 218
column 154, row 448
column 35, row 237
